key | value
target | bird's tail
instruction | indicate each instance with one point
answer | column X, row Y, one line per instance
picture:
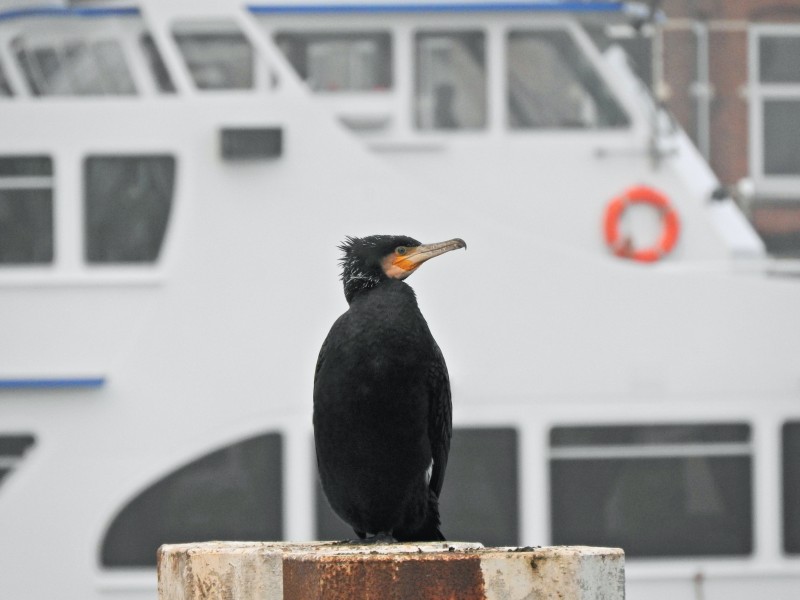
column 429, row 532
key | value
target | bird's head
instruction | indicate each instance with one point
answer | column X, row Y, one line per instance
column 369, row 260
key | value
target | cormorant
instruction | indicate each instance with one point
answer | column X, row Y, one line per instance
column 382, row 408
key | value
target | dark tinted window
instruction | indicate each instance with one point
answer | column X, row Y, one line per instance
column 217, row 60
column 19, row 166
column 74, row 67
column 479, row 499
column 5, row 86
column 15, row 445
column 158, row 68
column 340, row 62
column 782, row 137
column 552, row 84
column 652, row 434
column 251, row 143
column 128, row 201
column 231, row 494
column 642, row 489
column 450, row 80
column 791, row 487
column 778, row 59
column 12, row 448
column 480, row 494
column 26, row 210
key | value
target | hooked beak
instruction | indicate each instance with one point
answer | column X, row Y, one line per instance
column 401, row 266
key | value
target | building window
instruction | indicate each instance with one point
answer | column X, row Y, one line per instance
column 232, row 494
column 781, row 138
column 26, row 210
column 551, row 84
column 340, row 62
column 74, row 67
column 218, row 55
column 127, row 201
column 12, row 448
column 775, row 109
column 450, row 88
column 791, row 487
column 655, row 490
column 479, row 500
column 777, row 58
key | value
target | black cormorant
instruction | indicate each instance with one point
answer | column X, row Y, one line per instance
column 382, row 408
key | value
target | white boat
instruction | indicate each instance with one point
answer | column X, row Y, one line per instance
column 175, row 178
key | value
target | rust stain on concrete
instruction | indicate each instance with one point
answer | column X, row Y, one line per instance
column 456, row 576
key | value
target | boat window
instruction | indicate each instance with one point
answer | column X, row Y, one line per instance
column 218, row 59
column 479, row 496
column 340, row 62
column 791, row 487
column 157, row 66
column 127, row 203
column 231, row 494
column 74, row 67
column 12, row 448
column 656, row 490
column 5, row 86
column 26, row 210
column 551, row 84
column 450, row 80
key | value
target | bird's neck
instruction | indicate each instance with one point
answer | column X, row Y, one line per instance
column 356, row 287
column 357, row 284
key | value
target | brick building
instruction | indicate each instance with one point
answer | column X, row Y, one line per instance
column 732, row 69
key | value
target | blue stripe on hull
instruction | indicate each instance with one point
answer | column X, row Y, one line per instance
column 276, row 9
column 582, row 7
column 52, row 383
column 55, row 11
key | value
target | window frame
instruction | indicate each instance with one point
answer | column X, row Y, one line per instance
column 594, row 58
column 310, row 35
column 789, row 426
column 44, row 182
column 262, row 71
column 587, row 51
column 508, row 490
column 176, row 481
column 777, row 187
column 57, row 41
column 663, row 449
column 148, row 264
column 456, row 30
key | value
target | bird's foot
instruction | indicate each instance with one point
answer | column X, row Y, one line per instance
column 380, row 538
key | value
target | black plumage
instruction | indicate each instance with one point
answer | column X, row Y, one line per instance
column 382, row 407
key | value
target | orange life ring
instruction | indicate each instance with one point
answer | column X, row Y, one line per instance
column 621, row 246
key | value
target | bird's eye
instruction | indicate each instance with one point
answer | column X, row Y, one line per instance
column 400, row 250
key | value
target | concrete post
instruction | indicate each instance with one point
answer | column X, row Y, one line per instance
column 431, row 570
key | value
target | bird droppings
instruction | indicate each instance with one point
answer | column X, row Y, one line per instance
column 421, row 571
